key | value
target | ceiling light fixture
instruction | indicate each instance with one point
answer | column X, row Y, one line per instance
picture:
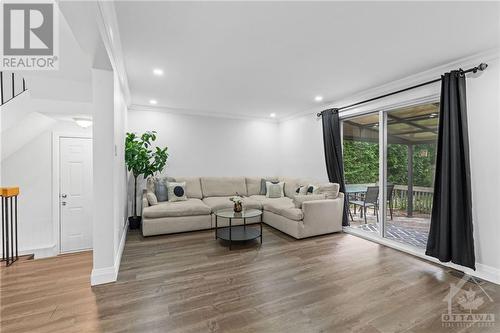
column 153, row 101
column 158, row 72
column 272, row 115
column 318, row 98
column 83, row 122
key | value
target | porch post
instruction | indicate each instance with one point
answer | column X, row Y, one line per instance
column 409, row 207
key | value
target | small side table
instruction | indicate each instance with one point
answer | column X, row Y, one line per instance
column 238, row 233
column 10, row 252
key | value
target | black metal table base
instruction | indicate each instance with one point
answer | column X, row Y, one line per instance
column 238, row 233
column 10, row 252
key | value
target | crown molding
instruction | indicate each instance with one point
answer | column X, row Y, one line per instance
column 110, row 33
column 469, row 61
column 199, row 113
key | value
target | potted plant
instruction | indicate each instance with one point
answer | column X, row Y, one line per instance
column 142, row 159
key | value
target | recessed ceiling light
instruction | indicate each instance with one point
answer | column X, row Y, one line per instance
column 318, row 98
column 153, row 101
column 158, row 72
column 272, row 115
column 83, row 122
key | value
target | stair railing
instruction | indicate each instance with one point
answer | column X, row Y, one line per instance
column 8, row 87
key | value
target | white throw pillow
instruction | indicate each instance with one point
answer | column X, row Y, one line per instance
column 301, row 190
column 275, row 190
column 152, row 200
column 176, row 191
column 312, row 189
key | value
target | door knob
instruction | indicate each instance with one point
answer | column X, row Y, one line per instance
column 63, row 196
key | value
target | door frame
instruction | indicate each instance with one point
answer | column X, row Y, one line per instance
column 56, row 182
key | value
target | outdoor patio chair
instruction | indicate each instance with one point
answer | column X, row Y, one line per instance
column 390, row 191
column 370, row 200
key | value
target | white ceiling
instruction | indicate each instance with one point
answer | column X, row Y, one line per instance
column 251, row 59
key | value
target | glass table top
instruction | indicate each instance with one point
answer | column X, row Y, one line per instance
column 245, row 213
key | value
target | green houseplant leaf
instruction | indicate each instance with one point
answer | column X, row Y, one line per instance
column 142, row 159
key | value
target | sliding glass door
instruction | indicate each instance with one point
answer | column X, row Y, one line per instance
column 411, row 159
column 401, row 143
column 361, row 169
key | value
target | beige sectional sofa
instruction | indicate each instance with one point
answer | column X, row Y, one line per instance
column 209, row 194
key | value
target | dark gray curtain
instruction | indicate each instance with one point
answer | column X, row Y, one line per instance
column 333, row 155
column 451, row 236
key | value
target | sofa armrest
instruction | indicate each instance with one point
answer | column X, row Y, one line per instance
column 323, row 216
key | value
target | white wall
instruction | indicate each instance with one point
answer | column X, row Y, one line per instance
column 210, row 146
column 30, row 168
column 110, row 202
column 301, row 145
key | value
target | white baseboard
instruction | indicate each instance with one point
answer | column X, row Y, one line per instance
column 484, row 272
column 110, row 274
column 40, row 252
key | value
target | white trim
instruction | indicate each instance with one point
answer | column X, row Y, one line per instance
column 110, row 274
column 110, row 35
column 482, row 271
column 56, row 216
column 40, row 252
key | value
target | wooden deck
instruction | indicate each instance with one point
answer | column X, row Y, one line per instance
column 192, row 283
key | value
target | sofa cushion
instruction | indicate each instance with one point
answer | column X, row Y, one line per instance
column 217, row 203
column 291, row 186
column 299, row 199
column 284, row 208
column 330, row 190
column 193, row 186
column 190, row 207
column 223, row 186
column 253, row 185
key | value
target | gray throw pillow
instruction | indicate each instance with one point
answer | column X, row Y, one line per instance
column 161, row 190
column 263, row 189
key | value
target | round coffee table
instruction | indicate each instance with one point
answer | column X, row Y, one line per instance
column 238, row 233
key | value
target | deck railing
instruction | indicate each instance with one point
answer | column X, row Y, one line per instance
column 422, row 198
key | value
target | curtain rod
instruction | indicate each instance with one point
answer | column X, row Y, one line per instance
column 481, row 67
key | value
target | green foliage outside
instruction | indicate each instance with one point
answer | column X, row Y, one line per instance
column 361, row 163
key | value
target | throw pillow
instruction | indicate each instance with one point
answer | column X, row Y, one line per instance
column 176, row 191
column 331, row 190
column 275, row 190
column 298, row 200
column 161, row 191
column 152, row 200
column 312, row 189
column 263, row 181
column 301, row 190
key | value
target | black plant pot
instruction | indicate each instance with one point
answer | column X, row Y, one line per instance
column 134, row 222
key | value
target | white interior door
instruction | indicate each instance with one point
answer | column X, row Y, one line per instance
column 75, row 194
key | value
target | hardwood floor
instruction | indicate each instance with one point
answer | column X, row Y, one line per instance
column 191, row 283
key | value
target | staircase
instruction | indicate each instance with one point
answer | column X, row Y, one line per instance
column 20, row 123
